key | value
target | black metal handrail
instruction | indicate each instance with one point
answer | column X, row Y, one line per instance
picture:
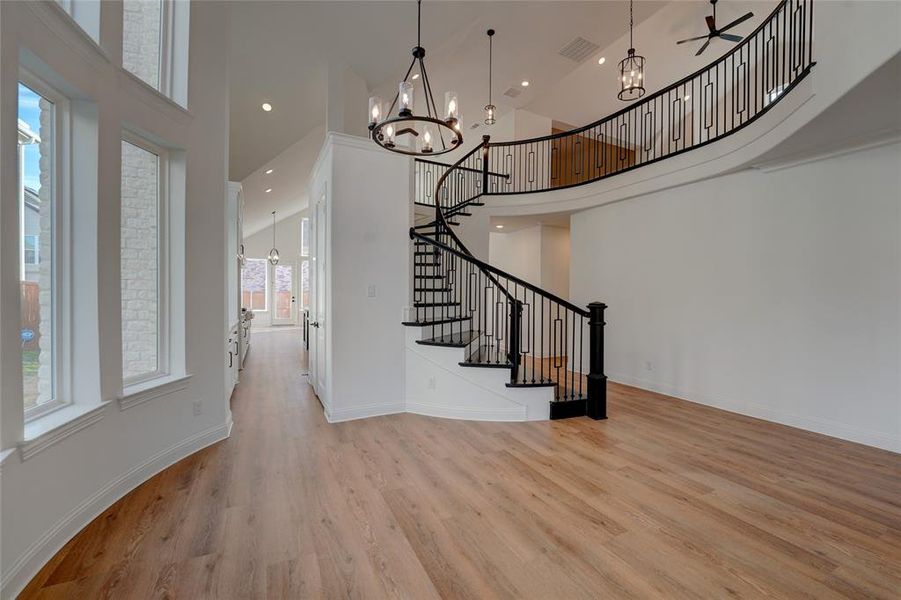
column 707, row 105
column 499, row 272
column 504, row 320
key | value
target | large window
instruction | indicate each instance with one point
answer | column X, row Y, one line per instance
column 39, row 229
column 142, row 256
column 143, row 40
column 254, row 283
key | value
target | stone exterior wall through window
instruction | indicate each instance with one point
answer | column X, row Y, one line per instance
column 141, row 37
column 140, row 261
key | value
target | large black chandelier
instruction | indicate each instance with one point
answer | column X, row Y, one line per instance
column 631, row 70
column 407, row 132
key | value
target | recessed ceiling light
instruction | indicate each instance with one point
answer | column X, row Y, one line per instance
column 525, row 83
column 687, row 97
column 602, row 60
column 267, row 107
column 268, row 190
column 415, row 75
column 269, row 172
column 499, row 226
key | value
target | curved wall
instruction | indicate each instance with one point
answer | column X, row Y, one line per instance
column 48, row 493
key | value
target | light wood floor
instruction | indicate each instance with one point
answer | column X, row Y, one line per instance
column 667, row 499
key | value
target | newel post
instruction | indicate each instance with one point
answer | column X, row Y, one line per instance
column 515, row 342
column 485, row 139
column 597, row 381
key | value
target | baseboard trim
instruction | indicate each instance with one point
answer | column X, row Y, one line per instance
column 467, row 414
column 362, row 412
column 45, row 547
column 829, row 428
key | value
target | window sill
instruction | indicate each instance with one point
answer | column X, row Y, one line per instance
column 45, row 431
column 155, row 388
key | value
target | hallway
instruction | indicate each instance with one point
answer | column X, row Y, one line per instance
column 665, row 499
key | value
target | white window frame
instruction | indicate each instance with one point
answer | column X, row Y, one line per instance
column 163, row 363
column 60, row 249
column 266, row 268
column 166, row 66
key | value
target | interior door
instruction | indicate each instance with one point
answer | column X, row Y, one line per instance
column 284, row 293
column 319, row 296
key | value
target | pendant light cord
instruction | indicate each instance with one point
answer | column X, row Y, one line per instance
column 631, row 44
column 419, row 23
column 490, row 60
column 273, row 229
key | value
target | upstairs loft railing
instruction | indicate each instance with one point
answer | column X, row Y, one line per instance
column 510, row 323
column 708, row 105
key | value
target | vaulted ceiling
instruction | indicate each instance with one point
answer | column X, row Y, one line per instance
column 280, row 52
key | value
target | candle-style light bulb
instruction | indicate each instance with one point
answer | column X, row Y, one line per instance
column 375, row 111
column 405, row 99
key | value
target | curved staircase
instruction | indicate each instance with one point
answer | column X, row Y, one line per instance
column 546, row 351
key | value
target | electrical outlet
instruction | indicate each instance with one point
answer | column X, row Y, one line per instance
column 432, row 383
column 648, row 365
column 371, row 291
column 198, row 408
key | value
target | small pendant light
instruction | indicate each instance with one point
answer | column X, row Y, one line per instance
column 490, row 109
column 273, row 254
column 631, row 70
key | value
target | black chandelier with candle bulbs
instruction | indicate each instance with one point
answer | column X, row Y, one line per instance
column 406, row 132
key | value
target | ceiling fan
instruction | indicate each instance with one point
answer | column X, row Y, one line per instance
column 720, row 33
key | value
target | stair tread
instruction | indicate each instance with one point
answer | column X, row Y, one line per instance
column 443, row 290
column 438, row 322
column 428, row 276
column 487, row 356
column 452, row 340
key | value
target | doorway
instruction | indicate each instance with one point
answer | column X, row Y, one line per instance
column 284, row 293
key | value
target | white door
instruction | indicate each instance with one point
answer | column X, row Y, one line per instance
column 284, row 293
column 318, row 282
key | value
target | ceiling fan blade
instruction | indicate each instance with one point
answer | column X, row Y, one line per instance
column 737, row 21
column 704, row 47
column 731, row 38
column 694, row 39
column 711, row 23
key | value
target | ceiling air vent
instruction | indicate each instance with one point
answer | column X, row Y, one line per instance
column 579, row 49
column 475, row 126
column 512, row 92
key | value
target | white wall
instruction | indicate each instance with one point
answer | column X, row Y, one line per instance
column 539, row 254
column 50, row 495
column 772, row 294
column 370, row 212
column 517, row 252
column 287, row 238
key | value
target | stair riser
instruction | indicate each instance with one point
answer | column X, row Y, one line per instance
column 433, row 297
